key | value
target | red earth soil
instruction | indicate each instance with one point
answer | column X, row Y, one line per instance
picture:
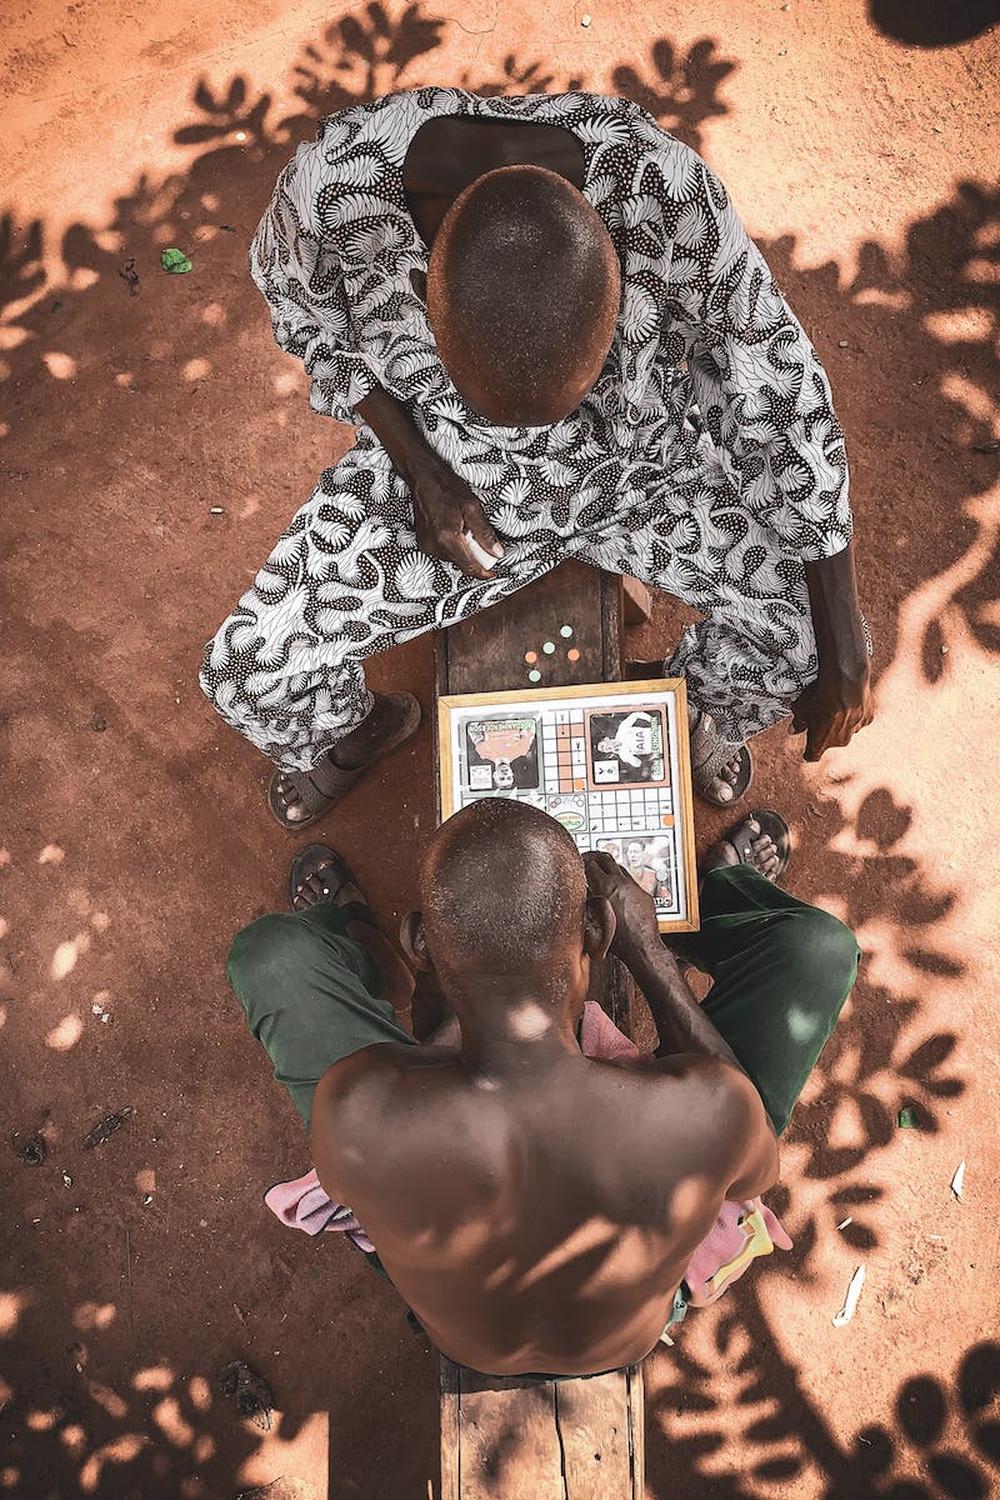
column 858, row 138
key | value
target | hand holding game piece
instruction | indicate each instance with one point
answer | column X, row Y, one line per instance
column 448, row 518
column 485, row 559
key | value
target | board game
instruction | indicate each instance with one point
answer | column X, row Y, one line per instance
column 610, row 761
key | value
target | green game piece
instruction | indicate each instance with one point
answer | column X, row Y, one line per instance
column 908, row 1119
column 548, row 647
column 534, row 675
column 175, row 261
column 565, row 631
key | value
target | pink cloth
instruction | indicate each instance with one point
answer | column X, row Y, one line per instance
column 740, row 1234
column 303, row 1204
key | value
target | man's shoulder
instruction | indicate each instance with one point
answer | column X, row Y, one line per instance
column 708, row 1089
column 360, row 1073
column 370, row 1083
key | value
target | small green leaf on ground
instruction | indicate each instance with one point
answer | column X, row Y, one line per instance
column 908, row 1119
column 175, row 261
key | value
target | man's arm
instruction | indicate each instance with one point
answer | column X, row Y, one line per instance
column 738, row 1120
column 444, row 507
column 681, row 1024
column 765, row 399
column 839, row 702
column 299, row 273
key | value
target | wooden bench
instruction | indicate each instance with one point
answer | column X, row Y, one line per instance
column 541, row 1439
column 485, row 654
column 569, row 1439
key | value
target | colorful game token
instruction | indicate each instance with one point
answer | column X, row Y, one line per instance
column 534, row 675
column 531, row 657
column 573, row 655
column 565, row 631
column 549, row 647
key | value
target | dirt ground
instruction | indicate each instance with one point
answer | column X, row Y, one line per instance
column 859, row 140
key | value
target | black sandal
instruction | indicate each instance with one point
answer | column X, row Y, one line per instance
column 740, row 838
column 326, row 783
column 320, row 859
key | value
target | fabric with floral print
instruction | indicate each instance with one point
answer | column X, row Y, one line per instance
column 707, row 460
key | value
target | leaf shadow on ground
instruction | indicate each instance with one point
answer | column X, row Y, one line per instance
column 153, row 1426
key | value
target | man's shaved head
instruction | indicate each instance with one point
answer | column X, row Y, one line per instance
column 502, row 887
column 523, row 293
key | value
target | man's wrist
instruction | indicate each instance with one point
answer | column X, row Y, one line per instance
column 843, row 655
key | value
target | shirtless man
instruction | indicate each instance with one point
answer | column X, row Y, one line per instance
column 554, row 339
column 535, row 1208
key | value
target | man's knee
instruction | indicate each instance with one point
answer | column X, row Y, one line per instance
column 267, row 954
column 821, row 955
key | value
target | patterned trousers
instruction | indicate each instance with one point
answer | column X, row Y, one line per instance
column 347, row 580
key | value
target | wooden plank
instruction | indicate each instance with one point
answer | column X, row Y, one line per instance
column 593, row 1418
column 450, row 1467
column 541, row 1440
column 485, row 653
column 637, row 1430
column 508, row 1440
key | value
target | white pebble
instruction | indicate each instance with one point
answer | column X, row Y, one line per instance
column 584, row 20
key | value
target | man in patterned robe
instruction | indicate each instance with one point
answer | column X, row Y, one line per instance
column 554, row 339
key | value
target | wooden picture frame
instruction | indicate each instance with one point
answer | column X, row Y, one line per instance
column 453, row 711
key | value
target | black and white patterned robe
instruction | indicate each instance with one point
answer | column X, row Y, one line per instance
column 707, row 460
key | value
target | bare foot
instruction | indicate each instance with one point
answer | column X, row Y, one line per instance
column 722, row 788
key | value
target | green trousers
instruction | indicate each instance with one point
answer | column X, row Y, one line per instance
column 781, row 969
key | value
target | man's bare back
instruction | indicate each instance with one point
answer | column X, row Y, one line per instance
column 537, row 1209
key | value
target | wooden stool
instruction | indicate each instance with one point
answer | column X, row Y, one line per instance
column 544, row 1439
column 485, row 654
column 541, row 1439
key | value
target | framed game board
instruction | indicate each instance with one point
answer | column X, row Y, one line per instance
column 610, row 761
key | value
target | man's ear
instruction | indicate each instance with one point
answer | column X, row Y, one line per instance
column 599, row 927
column 413, row 942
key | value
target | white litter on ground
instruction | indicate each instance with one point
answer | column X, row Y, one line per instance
column 958, row 1181
column 851, row 1300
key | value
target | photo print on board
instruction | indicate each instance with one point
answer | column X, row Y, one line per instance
column 627, row 747
column 651, row 862
column 502, row 754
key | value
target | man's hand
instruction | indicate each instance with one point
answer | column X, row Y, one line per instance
column 444, row 508
column 633, row 907
column 832, row 710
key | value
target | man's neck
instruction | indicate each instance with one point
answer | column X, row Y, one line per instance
column 514, row 1024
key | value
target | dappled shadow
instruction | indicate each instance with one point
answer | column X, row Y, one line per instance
column 127, row 375
column 909, row 343
column 938, row 1440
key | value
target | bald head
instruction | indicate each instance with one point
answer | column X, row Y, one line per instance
column 503, row 889
column 523, row 293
